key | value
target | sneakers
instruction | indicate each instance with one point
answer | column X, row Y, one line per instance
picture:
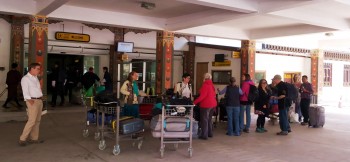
column 282, row 133
column 22, row 143
column 6, row 107
column 259, row 130
column 246, row 130
column 263, row 129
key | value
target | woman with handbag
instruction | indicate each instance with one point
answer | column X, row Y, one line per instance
column 130, row 90
column 262, row 105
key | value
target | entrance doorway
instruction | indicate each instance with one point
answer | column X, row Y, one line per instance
column 201, row 69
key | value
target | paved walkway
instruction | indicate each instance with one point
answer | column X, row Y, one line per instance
column 62, row 130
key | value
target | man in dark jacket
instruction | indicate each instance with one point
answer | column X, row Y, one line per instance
column 107, row 80
column 12, row 80
column 89, row 79
column 58, row 81
column 282, row 91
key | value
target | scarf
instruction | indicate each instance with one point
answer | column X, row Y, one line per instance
column 135, row 88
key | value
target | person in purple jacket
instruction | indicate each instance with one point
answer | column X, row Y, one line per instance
column 245, row 104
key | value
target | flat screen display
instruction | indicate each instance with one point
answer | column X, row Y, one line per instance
column 125, row 47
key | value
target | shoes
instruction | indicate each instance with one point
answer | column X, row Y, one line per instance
column 203, row 138
column 282, row 133
column 289, row 130
column 211, row 136
column 263, row 129
column 6, row 107
column 304, row 123
column 19, row 105
column 237, row 134
column 246, row 130
column 61, row 104
column 52, row 105
column 259, row 130
column 229, row 134
column 35, row 141
column 22, row 143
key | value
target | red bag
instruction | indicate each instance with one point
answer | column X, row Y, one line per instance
column 274, row 109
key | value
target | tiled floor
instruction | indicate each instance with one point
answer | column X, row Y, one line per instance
column 62, row 130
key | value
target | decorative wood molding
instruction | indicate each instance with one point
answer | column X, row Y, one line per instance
column 286, row 49
column 136, row 31
column 189, row 38
column 334, row 55
column 228, row 48
column 54, row 21
column 7, row 18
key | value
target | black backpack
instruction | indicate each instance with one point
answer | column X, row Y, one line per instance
column 253, row 93
column 292, row 94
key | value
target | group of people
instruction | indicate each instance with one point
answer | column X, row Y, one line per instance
column 237, row 100
column 63, row 82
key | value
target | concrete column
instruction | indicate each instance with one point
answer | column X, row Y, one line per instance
column 164, row 61
column 114, row 57
column 38, row 40
column 317, row 72
column 248, row 58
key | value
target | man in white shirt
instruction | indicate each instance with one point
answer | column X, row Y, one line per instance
column 184, row 89
column 33, row 97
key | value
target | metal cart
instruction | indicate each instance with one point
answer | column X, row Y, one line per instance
column 176, row 137
column 87, row 104
column 113, row 108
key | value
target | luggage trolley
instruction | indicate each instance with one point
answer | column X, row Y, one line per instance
column 175, row 136
column 114, row 109
column 87, row 103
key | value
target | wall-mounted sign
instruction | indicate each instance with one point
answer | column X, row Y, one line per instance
column 72, row 37
column 225, row 63
column 236, row 54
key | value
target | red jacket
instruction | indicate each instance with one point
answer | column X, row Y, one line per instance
column 207, row 95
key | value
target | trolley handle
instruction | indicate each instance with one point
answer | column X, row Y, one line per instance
column 106, row 103
column 179, row 105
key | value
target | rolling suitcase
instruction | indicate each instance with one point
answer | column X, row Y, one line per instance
column 316, row 116
column 131, row 126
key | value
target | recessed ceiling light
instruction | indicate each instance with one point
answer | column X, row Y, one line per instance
column 329, row 34
column 148, row 5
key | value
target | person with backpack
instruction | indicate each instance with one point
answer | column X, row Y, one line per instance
column 262, row 105
column 282, row 92
column 183, row 89
column 245, row 103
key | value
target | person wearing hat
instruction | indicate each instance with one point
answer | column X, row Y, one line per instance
column 282, row 91
column 183, row 89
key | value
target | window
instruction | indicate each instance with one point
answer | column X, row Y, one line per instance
column 346, row 82
column 327, row 80
column 221, row 76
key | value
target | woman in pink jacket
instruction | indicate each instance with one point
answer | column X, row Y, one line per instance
column 207, row 103
column 245, row 104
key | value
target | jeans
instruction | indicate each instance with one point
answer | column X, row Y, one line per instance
column 284, row 124
column 305, row 105
column 233, row 120
column 246, row 109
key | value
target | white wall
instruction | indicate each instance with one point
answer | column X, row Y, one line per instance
column 331, row 95
column 208, row 55
column 5, row 38
column 275, row 64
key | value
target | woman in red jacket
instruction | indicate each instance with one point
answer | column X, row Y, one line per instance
column 207, row 103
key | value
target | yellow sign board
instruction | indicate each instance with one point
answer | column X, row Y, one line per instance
column 72, row 37
column 225, row 63
column 236, row 54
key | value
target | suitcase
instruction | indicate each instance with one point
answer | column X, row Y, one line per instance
column 173, row 125
column 145, row 111
column 316, row 116
column 131, row 126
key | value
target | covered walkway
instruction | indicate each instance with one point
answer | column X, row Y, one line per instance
column 62, row 131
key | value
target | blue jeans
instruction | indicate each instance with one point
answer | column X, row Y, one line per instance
column 233, row 120
column 284, row 124
column 246, row 109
